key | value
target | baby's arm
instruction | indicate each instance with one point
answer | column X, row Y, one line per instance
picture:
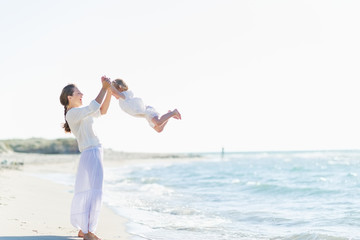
column 116, row 93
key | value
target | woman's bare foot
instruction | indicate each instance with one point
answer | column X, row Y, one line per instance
column 91, row 236
column 177, row 114
column 96, row 237
column 88, row 236
column 80, row 234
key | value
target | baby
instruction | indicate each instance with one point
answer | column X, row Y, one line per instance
column 136, row 107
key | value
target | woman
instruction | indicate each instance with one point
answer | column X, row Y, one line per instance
column 87, row 200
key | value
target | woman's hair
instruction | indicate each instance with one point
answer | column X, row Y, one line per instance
column 119, row 82
column 67, row 91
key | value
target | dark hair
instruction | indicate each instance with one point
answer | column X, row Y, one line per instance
column 68, row 90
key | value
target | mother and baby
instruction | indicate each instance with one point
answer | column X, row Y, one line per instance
column 87, row 200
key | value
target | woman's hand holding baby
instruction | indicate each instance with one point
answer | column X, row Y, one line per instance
column 105, row 82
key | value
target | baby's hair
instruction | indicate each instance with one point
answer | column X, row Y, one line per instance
column 119, row 82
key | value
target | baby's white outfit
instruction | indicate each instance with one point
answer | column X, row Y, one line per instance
column 136, row 107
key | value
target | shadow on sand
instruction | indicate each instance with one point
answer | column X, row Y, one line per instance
column 39, row 238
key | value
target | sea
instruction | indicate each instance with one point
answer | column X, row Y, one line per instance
column 306, row 195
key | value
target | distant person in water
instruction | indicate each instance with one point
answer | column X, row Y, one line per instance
column 87, row 200
column 136, row 107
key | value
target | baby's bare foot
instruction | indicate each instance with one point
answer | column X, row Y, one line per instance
column 177, row 114
column 174, row 116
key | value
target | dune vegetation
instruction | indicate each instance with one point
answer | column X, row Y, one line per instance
column 40, row 145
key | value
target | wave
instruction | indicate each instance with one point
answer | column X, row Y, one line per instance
column 274, row 189
column 311, row 236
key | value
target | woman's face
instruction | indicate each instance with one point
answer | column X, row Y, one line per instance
column 76, row 99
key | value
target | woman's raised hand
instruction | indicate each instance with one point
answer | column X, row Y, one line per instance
column 105, row 86
column 105, row 82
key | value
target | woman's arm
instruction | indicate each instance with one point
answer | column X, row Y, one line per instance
column 77, row 114
column 105, row 85
column 105, row 106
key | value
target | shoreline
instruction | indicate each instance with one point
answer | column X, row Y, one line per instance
column 33, row 208
column 36, row 208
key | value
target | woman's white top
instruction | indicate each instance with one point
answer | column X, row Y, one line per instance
column 81, row 124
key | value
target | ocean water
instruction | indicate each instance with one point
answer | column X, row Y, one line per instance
column 243, row 196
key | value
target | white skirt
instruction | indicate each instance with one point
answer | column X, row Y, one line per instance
column 87, row 201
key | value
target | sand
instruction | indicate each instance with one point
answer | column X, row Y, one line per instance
column 32, row 208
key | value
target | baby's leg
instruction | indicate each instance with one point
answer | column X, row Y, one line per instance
column 164, row 118
column 160, row 128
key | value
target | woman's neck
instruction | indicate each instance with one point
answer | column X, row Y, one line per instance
column 70, row 106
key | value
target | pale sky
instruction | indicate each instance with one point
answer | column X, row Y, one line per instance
column 245, row 75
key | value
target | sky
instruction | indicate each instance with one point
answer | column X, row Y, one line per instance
column 245, row 75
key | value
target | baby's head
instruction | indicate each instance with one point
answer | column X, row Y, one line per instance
column 120, row 85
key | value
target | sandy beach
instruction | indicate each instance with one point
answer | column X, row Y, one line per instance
column 32, row 208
